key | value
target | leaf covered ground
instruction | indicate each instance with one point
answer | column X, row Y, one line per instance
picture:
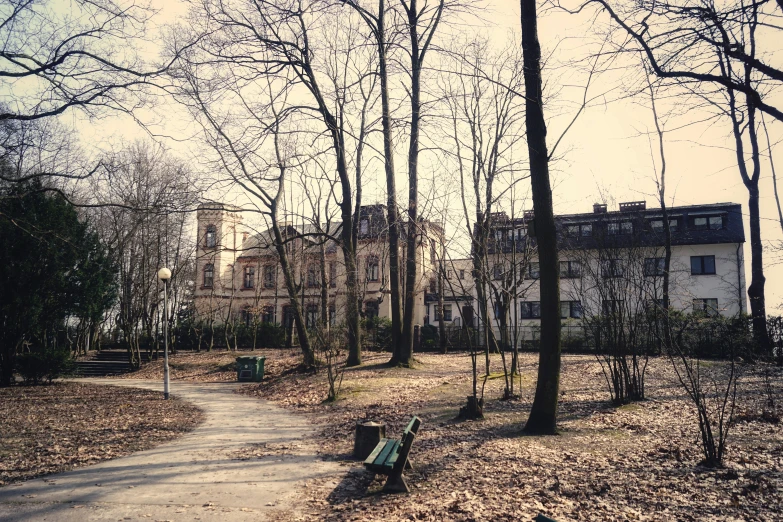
column 635, row 462
column 62, row 426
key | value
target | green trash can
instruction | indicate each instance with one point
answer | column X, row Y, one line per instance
column 250, row 369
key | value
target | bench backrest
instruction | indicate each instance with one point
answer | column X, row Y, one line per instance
column 406, row 441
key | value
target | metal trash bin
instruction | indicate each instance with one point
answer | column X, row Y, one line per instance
column 250, row 369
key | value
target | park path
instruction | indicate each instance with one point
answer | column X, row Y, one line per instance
column 195, row 477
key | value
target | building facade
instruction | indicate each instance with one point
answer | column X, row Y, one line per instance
column 611, row 262
column 239, row 275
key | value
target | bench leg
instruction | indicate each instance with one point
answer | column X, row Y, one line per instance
column 396, row 484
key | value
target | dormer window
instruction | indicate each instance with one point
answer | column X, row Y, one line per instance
column 708, row 223
column 364, row 227
column 583, row 230
column 210, row 238
column 620, row 227
column 657, row 225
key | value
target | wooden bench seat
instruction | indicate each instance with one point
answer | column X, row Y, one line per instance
column 390, row 458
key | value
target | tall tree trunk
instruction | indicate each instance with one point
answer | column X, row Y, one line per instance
column 391, row 188
column 757, row 280
column 543, row 413
column 405, row 354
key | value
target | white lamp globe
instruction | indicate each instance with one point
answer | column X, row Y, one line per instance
column 164, row 274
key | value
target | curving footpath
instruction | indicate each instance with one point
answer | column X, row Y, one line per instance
column 200, row 476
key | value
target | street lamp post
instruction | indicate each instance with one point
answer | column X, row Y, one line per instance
column 164, row 274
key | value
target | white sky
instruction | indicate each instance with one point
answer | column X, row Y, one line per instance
column 605, row 152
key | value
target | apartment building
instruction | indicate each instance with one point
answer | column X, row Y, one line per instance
column 610, row 262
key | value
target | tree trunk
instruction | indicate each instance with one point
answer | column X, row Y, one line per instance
column 757, row 279
column 405, row 354
column 288, row 277
column 543, row 413
column 391, row 188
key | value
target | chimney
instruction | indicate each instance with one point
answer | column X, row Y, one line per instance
column 599, row 208
column 632, row 206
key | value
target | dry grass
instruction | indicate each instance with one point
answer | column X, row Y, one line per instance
column 54, row 428
column 636, row 462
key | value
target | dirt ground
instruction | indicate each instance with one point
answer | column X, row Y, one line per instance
column 53, row 428
column 635, row 462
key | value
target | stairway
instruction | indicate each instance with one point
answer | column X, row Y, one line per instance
column 105, row 362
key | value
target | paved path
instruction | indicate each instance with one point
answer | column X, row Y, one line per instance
column 196, row 477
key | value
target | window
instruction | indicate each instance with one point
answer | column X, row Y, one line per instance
column 364, row 227
column 268, row 314
column 612, row 268
column 702, row 265
column 612, row 306
column 269, row 276
column 530, row 310
column 372, row 268
column 570, row 309
column 332, row 315
column 332, row 274
column 654, row 266
column 621, row 227
column 250, row 277
column 246, row 316
column 583, row 230
column 657, row 225
column 311, row 316
column 312, row 276
column 210, row 238
column 448, row 274
column 654, row 305
column 570, row 269
column 461, row 274
column 520, row 233
column 209, row 275
column 708, row 223
column 433, row 286
column 500, row 235
column 446, row 313
column 497, row 272
column 706, row 306
column 586, row 230
column 534, row 270
column 371, row 309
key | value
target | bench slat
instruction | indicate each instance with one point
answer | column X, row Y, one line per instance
column 378, row 448
column 387, row 450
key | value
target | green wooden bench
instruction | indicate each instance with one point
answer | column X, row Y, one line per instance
column 390, row 458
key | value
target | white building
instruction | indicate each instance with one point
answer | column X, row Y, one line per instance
column 609, row 262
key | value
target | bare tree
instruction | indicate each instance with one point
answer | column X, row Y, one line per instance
column 145, row 230
column 713, row 51
column 543, row 413
column 290, row 40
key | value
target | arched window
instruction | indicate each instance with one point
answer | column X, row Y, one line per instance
column 209, row 275
column 210, row 238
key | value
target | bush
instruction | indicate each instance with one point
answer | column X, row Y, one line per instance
column 47, row 364
column 429, row 338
